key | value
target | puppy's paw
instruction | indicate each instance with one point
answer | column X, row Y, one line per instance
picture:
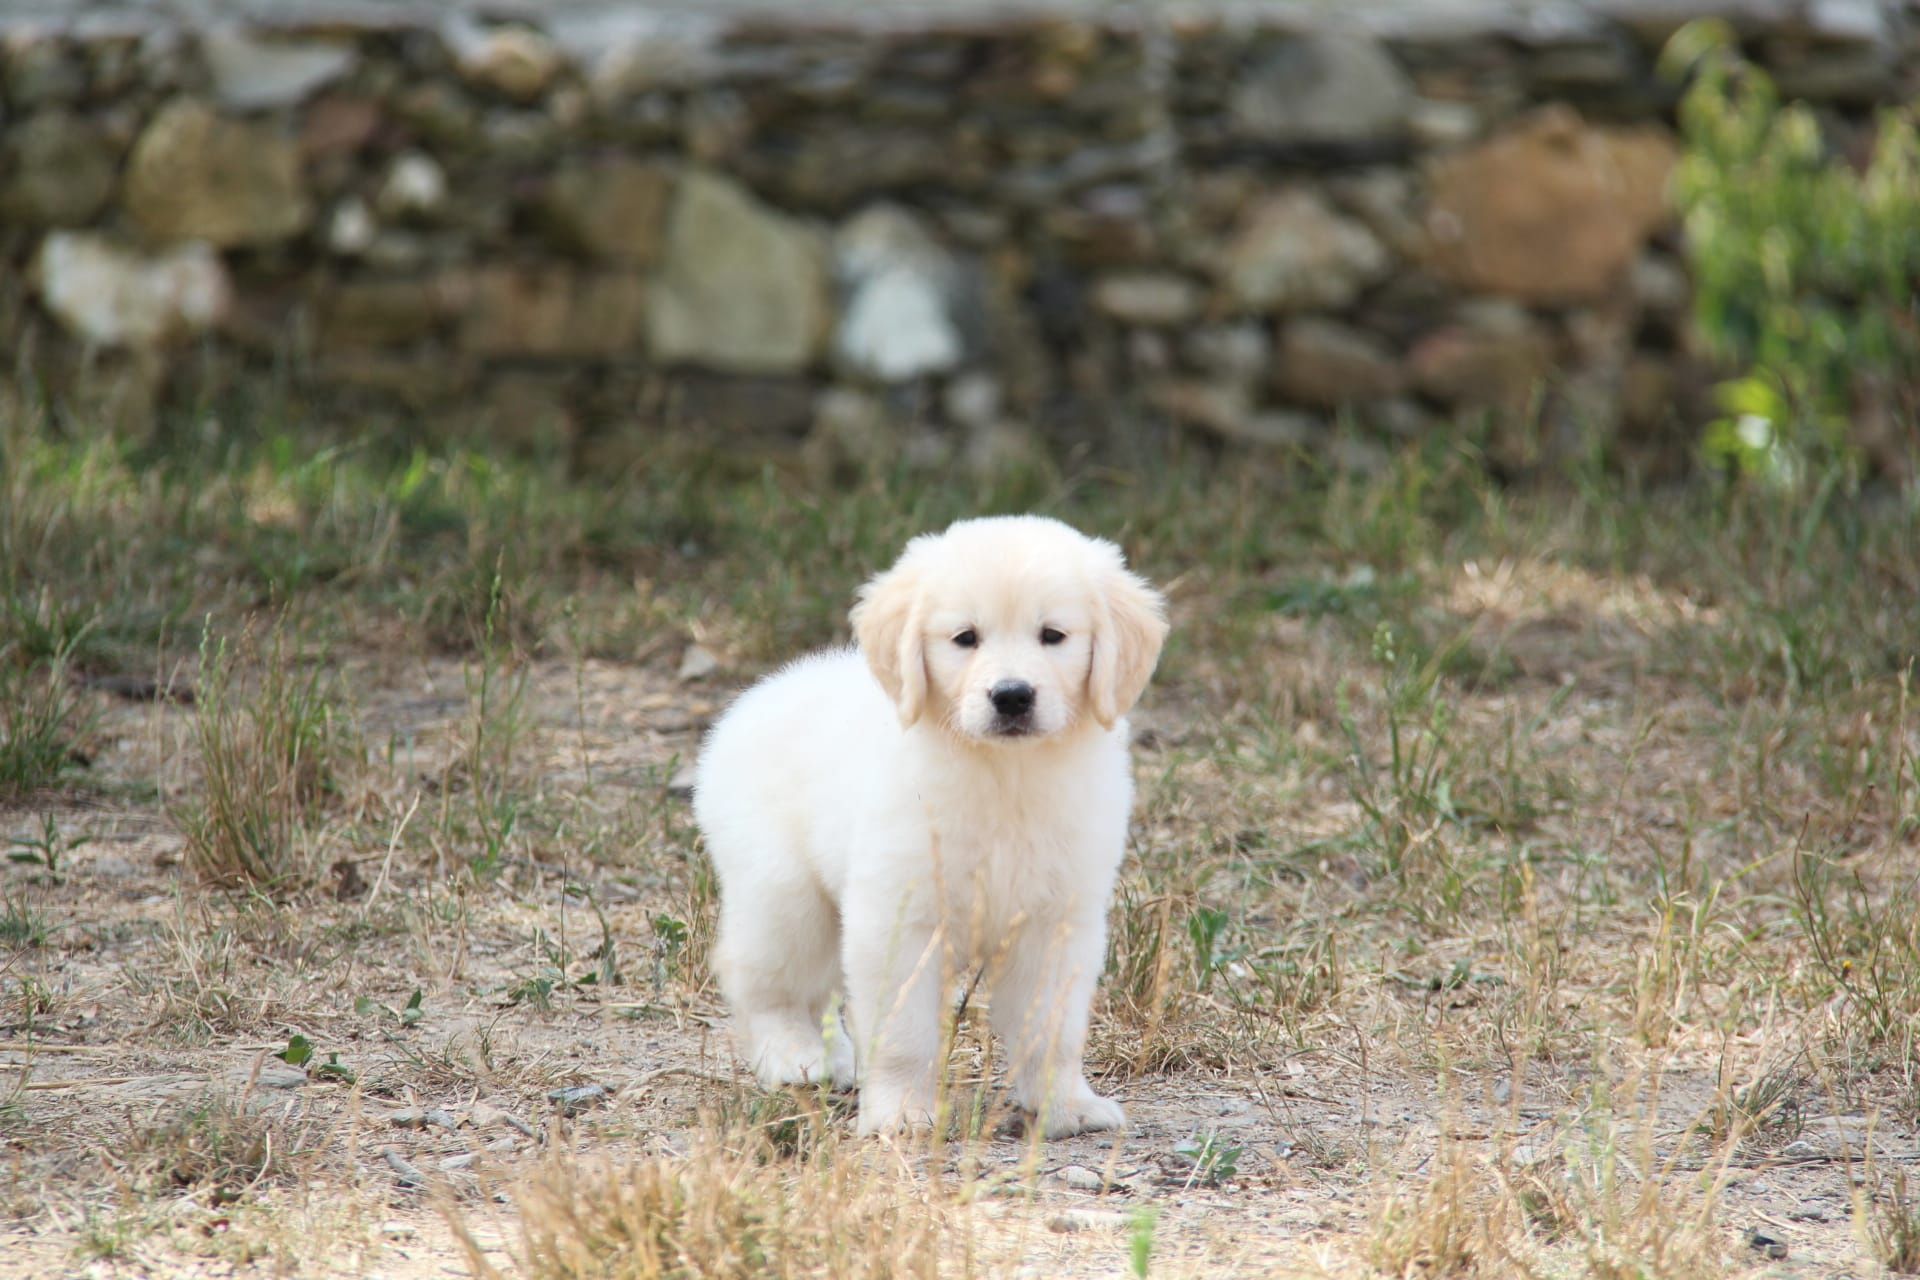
column 890, row 1109
column 841, row 1068
column 774, row 1069
column 1081, row 1111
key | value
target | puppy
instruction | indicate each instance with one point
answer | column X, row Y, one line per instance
column 950, row 800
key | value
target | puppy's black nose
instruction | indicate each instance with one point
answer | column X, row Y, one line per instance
column 1011, row 697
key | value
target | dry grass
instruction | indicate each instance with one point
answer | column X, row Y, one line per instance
column 1522, row 882
column 1892, row 1225
column 271, row 760
column 734, row 1206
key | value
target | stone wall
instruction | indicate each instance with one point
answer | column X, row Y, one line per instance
column 874, row 227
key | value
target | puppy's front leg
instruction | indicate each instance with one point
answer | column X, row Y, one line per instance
column 1041, row 998
column 894, row 983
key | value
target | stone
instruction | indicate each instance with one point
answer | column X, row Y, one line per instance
column 56, row 169
column 1152, row 298
column 338, row 125
column 900, row 319
column 714, row 126
column 1384, row 200
column 379, row 312
column 744, row 288
column 1551, row 211
column 1328, row 364
column 1227, row 412
column 415, row 187
column 1654, row 21
column 38, row 68
column 616, row 210
column 440, row 113
column 1821, row 72
column 1438, row 124
column 1237, row 353
column 251, row 74
column 351, row 230
column 111, row 296
column 1849, row 21
column 1220, row 407
column 196, row 176
column 517, row 62
column 1292, row 252
column 519, row 137
column 1324, row 88
column 835, row 167
column 554, row 313
column 973, row 400
column 1077, row 1177
column 1492, row 357
column 629, row 50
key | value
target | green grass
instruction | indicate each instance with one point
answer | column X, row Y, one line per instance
column 42, row 720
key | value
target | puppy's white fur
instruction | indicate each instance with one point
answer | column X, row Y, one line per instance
column 879, row 827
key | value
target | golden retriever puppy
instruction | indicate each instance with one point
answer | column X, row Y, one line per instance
column 950, row 800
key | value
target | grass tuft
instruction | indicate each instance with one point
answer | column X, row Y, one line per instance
column 1892, row 1225
column 217, row 1147
column 272, row 759
column 41, row 723
column 731, row 1211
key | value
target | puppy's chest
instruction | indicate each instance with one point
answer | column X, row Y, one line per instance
column 995, row 870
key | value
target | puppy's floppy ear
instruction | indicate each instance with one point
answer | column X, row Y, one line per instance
column 1129, row 626
column 887, row 623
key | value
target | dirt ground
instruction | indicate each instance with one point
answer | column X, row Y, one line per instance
column 152, row 997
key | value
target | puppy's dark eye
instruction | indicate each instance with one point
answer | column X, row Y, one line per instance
column 1052, row 635
column 967, row 639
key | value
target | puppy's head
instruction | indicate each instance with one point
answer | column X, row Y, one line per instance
column 1010, row 629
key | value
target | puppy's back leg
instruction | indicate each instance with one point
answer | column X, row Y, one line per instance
column 777, row 959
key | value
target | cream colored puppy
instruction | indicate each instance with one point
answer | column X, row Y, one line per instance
column 950, row 799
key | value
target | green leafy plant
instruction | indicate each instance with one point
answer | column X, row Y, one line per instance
column 1140, row 1240
column 21, row 924
column 47, row 850
column 301, row 1053
column 1206, row 929
column 407, row 1016
column 1214, row 1160
column 1806, row 272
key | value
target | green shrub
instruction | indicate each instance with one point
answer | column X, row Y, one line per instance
column 1806, row 272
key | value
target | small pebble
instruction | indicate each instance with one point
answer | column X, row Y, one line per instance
column 697, row 663
column 1765, row 1244
column 571, row 1102
column 1080, row 1178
